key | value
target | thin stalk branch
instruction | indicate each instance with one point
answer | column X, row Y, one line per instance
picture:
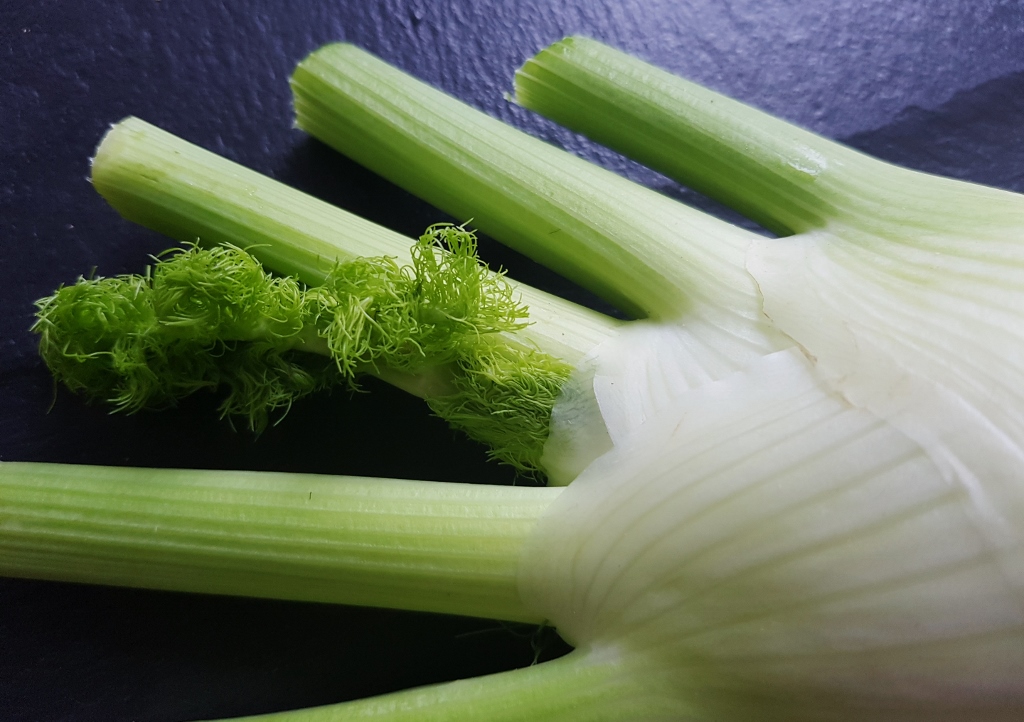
column 160, row 181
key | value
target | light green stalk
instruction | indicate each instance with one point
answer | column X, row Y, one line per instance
column 427, row 546
column 788, row 179
column 766, row 168
column 165, row 183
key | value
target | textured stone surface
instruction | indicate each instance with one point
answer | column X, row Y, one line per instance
column 937, row 85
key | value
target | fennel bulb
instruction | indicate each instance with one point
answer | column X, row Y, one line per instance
column 797, row 490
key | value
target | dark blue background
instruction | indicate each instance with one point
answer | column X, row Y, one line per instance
column 932, row 84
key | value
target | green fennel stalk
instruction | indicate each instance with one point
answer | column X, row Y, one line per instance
column 377, row 542
column 163, row 182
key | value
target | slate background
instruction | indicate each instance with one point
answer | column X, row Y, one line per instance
column 933, row 84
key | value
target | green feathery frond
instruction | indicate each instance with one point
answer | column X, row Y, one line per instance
column 207, row 318
column 198, row 318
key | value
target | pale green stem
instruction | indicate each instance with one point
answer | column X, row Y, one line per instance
column 165, row 183
column 574, row 688
column 786, row 178
column 427, row 546
column 640, row 250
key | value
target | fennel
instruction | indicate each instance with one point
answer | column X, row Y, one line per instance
column 798, row 489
